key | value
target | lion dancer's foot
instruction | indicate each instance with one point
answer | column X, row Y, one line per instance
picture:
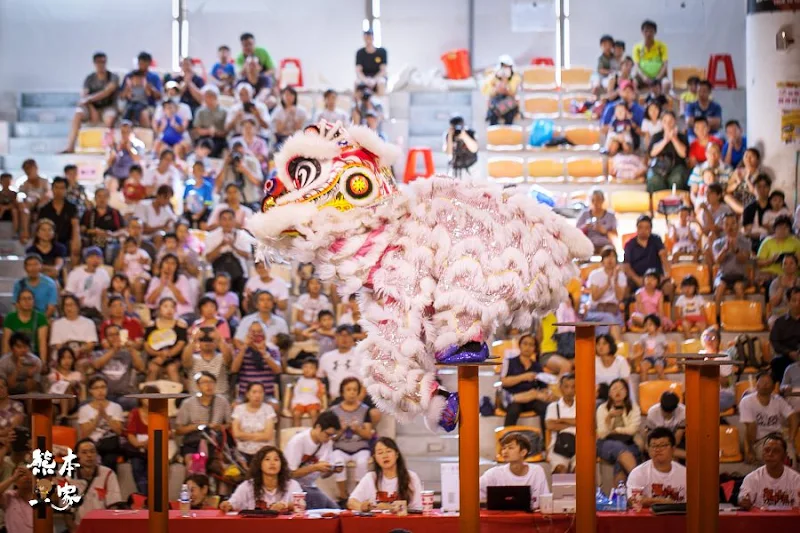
column 471, row 352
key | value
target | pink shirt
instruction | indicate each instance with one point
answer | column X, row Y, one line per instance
column 649, row 301
column 18, row 512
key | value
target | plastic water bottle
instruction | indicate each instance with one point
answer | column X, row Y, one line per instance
column 621, row 493
column 600, row 500
column 186, row 503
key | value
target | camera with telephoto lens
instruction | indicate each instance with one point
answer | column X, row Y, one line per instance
column 457, row 123
column 236, row 158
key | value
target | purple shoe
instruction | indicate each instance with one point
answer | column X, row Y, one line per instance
column 449, row 419
column 471, row 352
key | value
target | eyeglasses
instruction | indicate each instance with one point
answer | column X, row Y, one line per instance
column 661, row 446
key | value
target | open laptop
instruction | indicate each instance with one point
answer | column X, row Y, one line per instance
column 508, row 498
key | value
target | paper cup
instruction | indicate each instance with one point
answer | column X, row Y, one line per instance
column 427, row 502
column 546, row 503
column 299, row 504
column 636, row 498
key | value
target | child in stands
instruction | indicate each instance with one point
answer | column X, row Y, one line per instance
column 690, row 94
column 324, row 332
column 651, row 348
column 136, row 266
column 198, row 196
column 227, row 300
column 133, row 190
column 650, row 301
column 689, row 307
column 170, row 130
column 310, row 304
column 777, row 207
column 698, row 192
column 620, row 131
column 223, row 71
column 307, row 393
column 9, row 208
column 651, row 123
column 684, row 235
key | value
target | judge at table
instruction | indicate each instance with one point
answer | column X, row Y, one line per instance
column 390, row 481
column 661, row 479
column 773, row 485
column 270, row 485
column 515, row 447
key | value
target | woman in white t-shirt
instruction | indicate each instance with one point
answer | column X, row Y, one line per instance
column 390, row 481
column 253, row 422
column 270, row 485
column 607, row 287
column 608, row 365
column 75, row 331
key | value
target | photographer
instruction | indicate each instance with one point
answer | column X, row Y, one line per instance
column 244, row 171
column 460, row 145
column 244, row 108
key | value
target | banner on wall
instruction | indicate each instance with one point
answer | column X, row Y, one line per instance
column 789, row 106
column 533, row 16
column 765, row 6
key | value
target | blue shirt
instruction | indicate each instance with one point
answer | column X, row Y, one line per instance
column 44, row 293
column 714, row 110
column 227, row 69
column 736, row 155
column 205, row 190
column 637, row 113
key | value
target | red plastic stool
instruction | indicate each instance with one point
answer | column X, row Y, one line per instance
column 411, row 164
column 457, row 64
column 296, row 81
column 730, row 77
column 542, row 61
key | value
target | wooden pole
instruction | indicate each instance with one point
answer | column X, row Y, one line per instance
column 585, row 430
column 157, row 465
column 702, row 446
column 468, row 450
column 42, row 435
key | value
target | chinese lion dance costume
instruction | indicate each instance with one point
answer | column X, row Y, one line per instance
column 438, row 266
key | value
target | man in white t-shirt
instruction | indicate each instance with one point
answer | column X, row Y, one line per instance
column 227, row 239
column 88, row 281
column 560, row 419
column 668, row 413
column 763, row 413
column 265, row 282
column 308, row 455
column 157, row 214
column 98, row 484
column 515, row 447
column 660, row 479
column 343, row 362
column 774, row 485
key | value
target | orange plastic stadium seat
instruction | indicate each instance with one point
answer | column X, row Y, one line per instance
column 541, row 106
column 500, row 348
column 548, row 170
column 585, row 170
column 504, row 138
column 681, row 75
column 698, row 270
column 583, row 137
column 501, row 432
column 588, row 268
column 630, row 202
column 576, row 78
column 730, row 450
column 506, row 170
column 539, row 77
column 650, row 392
column 741, row 315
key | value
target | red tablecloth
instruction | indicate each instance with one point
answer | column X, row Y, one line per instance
column 203, row 522
column 491, row 522
column 750, row 522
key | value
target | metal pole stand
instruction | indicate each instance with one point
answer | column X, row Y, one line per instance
column 157, row 460
column 42, row 439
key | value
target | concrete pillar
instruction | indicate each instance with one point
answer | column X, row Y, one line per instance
column 766, row 66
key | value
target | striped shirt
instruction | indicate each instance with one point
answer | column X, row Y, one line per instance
column 194, row 412
column 255, row 370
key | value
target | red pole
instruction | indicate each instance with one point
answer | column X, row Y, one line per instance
column 42, row 426
column 157, row 465
column 585, row 453
column 468, row 450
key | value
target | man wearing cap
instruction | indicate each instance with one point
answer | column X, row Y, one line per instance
column 243, row 170
column 45, row 291
column 628, row 99
column 209, row 121
column 371, row 65
column 98, row 100
column 88, row 281
column 669, row 413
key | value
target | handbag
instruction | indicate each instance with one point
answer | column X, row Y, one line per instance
column 662, row 164
column 565, row 442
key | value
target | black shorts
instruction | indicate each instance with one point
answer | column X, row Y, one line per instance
column 731, row 280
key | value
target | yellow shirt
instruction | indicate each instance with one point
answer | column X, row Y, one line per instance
column 650, row 59
column 689, row 97
column 549, row 343
column 492, row 82
column 770, row 247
